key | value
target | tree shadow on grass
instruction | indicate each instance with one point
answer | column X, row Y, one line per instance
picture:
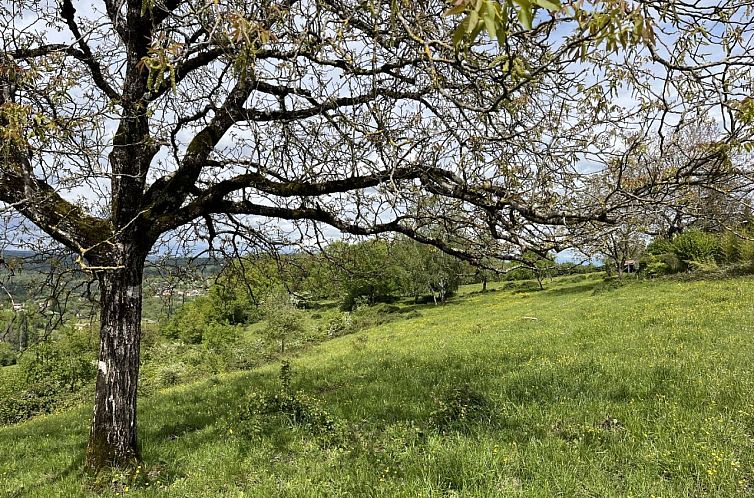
column 574, row 289
column 397, row 391
column 66, row 440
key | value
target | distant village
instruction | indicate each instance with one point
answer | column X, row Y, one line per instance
column 50, row 306
column 170, row 292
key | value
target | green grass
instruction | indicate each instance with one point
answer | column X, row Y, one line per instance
column 643, row 390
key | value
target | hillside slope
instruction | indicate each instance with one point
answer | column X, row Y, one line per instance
column 579, row 390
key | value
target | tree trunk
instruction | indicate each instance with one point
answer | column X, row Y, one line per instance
column 112, row 439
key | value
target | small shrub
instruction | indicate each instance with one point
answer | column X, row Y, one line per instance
column 7, row 355
column 171, row 375
column 245, row 355
column 341, row 324
column 655, row 265
column 705, row 266
column 189, row 322
column 296, row 407
column 68, row 361
column 460, row 407
column 302, row 300
column 730, row 248
column 37, row 398
column 219, row 338
column 284, row 321
column 696, row 246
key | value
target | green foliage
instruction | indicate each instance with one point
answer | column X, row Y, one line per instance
column 731, row 248
column 67, row 361
column 190, row 321
column 29, row 400
column 7, row 354
column 655, row 265
column 218, row 338
column 339, row 324
column 47, row 373
column 283, row 320
column 233, row 299
column 659, row 246
column 364, row 272
column 379, row 271
column 696, row 246
column 172, row 363
column 297, row 408
column 606, row 22
column 460, row 407
column 698, row 251
column 425, row 270
column 492, row 16
column 171, row 374
column 160, row 63
column 233, row 296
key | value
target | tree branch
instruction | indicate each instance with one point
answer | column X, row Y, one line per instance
column 68, row 13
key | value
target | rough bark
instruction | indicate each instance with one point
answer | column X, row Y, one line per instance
column 112, row 439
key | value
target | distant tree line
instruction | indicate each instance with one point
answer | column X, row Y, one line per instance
column 346, row 275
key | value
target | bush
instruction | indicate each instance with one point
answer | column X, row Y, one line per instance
column 460, row 407
column 7, row 355
column 660, row 264
column 189, row 322
column 284, row 321
column 297, row 408
column 366, row 294
column 67, row 361
column 219, row 338
column 47, row 374
column 692, row 250
column 339, row 325
column 659, row 246
column 696, row 246
column 172, row 363
column 37, row 398
column 730, row 248
column 171, row 375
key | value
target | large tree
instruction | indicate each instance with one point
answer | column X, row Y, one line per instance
column 124, row 122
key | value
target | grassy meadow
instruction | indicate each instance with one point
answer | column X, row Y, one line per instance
column 578, row 390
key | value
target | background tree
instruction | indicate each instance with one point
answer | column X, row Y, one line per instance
column 618, row 243
column 364, row 272
column 426, row 271
column 148, row 122
column 284, row 320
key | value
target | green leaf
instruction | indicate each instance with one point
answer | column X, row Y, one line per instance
column 490, row 20
column 525, row 16
column 525, row 13
column 460, row 33
column 476, row 31
column 503, row 10
column 454, row 11
column 553, row 5
column 473, row 21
